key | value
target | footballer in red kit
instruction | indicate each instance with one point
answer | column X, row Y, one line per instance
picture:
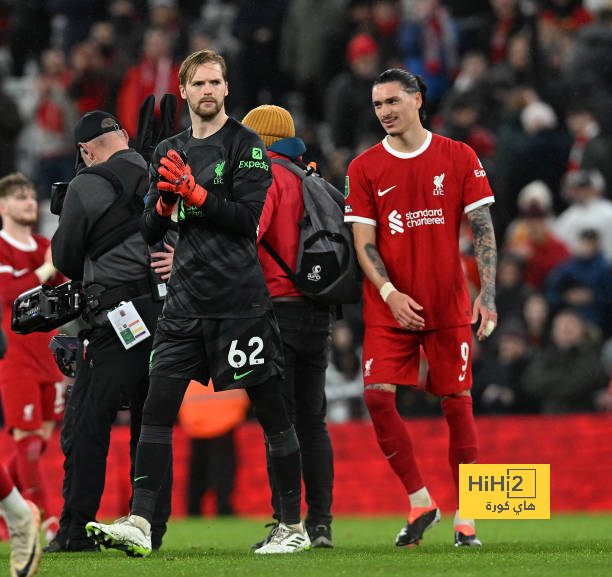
column 31, row 384
column 405, row 198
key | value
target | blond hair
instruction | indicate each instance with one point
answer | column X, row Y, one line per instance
column 195, row 60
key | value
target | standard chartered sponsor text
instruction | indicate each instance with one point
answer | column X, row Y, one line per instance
column 424, row 217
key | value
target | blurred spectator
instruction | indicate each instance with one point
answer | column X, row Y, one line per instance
column 463, row 123
column 536, row 316
column 310, row 43
column 55, row 116
column 386, row 17
column 128, row 25
column 583, row 127
column 349, row 110
column 584, row 189
column 29, row 31
column 504, row 109
column 589, row 67
column 518, row 66
column 511, row 292
column 163, row 14
column 506, row 20
column 115, row 61
column 544, row 154
column 563, row 377
column 10, row 126
column 497, row 382
column 257, row 27
column 210, row 420
column 428, row 41
column 531, row 237
column 89, row 85
column 155, row 74
column 343, row 379
column 598, row 150
column 358, row 18
column 471, row 73
column 583, row 282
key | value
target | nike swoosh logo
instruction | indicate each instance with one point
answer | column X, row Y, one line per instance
column 25, row 570
column 238, row 377
column 391, row 455
column 143, row 477
column 19, row 273
column 383, row 192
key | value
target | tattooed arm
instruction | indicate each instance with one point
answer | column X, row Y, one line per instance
column 485, row 253
column 402, row 306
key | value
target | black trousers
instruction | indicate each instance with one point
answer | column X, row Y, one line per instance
column 107, row 378
column 212, row 465
column 305, row 329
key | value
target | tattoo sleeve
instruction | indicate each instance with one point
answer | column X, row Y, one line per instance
column 375, row 258
column 485, row 252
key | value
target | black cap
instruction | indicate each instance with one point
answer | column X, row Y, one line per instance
column 93, row 124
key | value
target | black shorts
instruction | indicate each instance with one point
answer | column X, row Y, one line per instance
column 234, row 353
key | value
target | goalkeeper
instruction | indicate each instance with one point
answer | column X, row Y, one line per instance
column 217, row 321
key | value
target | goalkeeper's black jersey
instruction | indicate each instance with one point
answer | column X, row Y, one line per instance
column 216, row 272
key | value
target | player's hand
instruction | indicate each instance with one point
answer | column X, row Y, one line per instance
column 161, row 262
column 488, row 318
column 404, row 310
column 167, row 197
column 180, row 180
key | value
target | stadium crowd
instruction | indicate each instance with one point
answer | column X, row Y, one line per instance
column 527, row 84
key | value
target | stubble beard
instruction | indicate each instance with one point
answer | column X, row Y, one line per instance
column 206, row 116
column 25, row 220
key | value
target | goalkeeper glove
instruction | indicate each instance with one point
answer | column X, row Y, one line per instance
column 167, row 197
column 180, row 180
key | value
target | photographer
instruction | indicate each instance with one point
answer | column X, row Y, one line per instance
column 98, row 242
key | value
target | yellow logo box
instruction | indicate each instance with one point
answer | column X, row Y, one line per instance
column 504, row 491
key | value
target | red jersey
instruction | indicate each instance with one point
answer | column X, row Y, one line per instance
column 416, row 200
column 18, row 261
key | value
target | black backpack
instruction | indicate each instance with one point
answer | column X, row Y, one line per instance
column 327, row 270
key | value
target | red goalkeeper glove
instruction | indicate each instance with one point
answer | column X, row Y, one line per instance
column 167, row 197
column 180, row 180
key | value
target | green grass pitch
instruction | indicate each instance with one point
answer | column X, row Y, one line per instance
column 564, row 546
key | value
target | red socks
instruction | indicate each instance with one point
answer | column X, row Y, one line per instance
column 11, row 469
column 6, row 484
column 463, row 444
column 393, row 438
column 27, row 458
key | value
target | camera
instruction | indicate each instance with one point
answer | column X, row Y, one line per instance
column 58, row 194
column 45, row 307
column 65, row 350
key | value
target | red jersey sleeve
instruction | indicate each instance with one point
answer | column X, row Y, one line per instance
column 358, row 204
column 476, row 189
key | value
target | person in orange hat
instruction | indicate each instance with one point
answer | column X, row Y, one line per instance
column 305, row 326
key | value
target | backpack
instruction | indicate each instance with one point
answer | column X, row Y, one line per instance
column 327, row 270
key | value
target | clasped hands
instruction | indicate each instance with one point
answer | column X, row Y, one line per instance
column 176, row 181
